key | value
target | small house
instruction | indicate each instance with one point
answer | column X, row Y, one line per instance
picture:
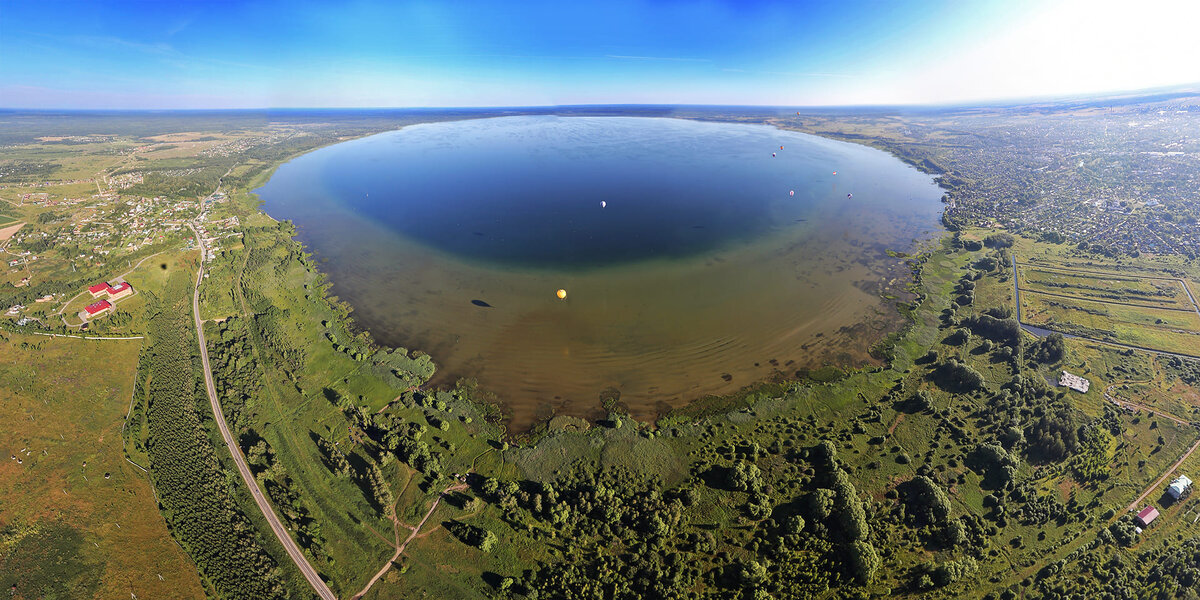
column 1147, row 516
column 1179, row 487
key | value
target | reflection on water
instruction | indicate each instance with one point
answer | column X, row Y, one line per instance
column 701, row 272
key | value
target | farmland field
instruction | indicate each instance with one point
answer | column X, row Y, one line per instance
column 1142, row 303
column 1126, row 289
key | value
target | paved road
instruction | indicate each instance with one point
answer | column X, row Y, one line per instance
column 1190, row 296
column 277, row 527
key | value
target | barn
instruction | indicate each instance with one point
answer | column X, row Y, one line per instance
column 1147, row 516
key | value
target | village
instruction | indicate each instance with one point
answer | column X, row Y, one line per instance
column 97, row 233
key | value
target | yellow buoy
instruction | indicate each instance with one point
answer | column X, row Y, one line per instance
column 562, row 294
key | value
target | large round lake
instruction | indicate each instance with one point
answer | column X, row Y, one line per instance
column 697, row 257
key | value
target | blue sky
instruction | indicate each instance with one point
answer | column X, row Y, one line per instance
column 57, row 54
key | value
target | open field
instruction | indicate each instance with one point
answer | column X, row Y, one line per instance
column 1158, row 329
column 1137, row 305
column 1104, row 287
column 76, row 519
column 7, row 230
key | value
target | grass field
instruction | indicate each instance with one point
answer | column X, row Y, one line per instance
column 76, row 519
column 1142, row 302
column 1117, row 288
column 1158, row 329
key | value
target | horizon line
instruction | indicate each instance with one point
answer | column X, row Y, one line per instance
column 1182, row 89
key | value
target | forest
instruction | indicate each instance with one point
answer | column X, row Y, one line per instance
column 193, row 492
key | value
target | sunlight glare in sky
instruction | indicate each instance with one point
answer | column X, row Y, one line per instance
column 366, row 54
column 1073, row 47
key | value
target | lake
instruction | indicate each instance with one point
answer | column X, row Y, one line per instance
column 696, row 257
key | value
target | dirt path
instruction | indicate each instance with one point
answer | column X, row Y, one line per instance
column 1157, row 484
column 82, row 337
column 415, row 530
column 1135, row 406
column 10, row 230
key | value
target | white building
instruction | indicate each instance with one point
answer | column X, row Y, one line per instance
column 1179, row 487
column 1074, row 382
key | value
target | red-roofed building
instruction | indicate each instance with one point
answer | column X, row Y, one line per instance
column 120, row 291
column 116, row 292
column 97, row 308
column 1147, row 516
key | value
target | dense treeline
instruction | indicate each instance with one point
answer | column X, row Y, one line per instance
column 193, row 185
column 189, row 479
column 269, row 325
column 472, row 535
column 235, row 370
column 1049, row 350
column 635, row 538
column 1026, row 414
column 27, row 170
column 1102, row 571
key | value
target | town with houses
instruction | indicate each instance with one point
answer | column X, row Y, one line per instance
column 1118, row 177
column 1075, row 176
column 99, row 232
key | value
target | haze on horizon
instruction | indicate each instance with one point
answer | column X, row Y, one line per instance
column 164, row 55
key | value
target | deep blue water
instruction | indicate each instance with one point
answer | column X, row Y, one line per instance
column 527, row 191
